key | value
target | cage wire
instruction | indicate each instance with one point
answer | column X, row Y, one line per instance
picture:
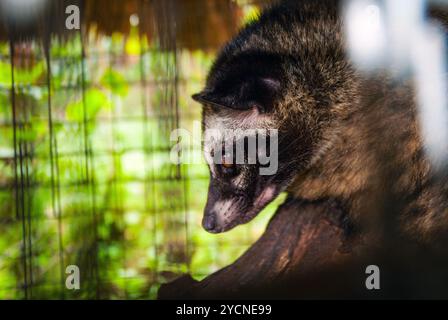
column 85, row 171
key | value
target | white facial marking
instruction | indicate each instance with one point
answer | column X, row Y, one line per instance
column 221, row 210
column 238, row 180
column 265, row 196
column 209, row 159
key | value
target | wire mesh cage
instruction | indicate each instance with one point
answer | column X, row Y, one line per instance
column 85, row 171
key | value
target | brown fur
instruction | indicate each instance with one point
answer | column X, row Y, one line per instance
column 374, row 148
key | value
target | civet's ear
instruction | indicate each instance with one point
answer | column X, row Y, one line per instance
column 261, row 92
column 249, row 93
column 207, row 98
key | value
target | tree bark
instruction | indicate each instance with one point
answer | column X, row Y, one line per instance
column 302, row 238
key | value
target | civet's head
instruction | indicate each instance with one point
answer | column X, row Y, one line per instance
column 253, row 144
column 260, row 97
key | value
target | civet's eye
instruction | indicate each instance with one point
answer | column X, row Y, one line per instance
column 228, row 166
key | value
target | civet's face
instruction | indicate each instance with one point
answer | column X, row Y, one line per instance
column 240, row 148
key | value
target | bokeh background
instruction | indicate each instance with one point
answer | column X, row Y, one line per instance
column 85, row 123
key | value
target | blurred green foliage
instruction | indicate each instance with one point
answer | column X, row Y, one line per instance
column 86, row 177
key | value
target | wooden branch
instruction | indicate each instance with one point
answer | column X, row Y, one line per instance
column 301, row 238
column 306, row 253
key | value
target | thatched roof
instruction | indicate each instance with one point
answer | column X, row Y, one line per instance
column 192, row 24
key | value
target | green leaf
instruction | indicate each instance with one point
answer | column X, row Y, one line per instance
column 95, row 101
column 5, row 74
column 114, row 81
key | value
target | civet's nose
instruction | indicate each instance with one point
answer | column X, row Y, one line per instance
column 209, row 222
